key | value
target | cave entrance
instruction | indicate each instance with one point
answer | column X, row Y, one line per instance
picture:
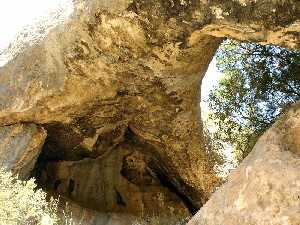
column 134, row 142
column 111, row 171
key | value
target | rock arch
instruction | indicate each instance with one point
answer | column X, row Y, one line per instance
column 126, row 75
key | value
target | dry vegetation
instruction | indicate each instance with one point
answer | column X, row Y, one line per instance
column 21, row 202
column 156, row 220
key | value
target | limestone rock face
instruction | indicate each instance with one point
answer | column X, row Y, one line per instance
column 20, row 146
column 126, row 179
column 120, row 72
column 265, row 189
column 133, row 68
column 263, row 21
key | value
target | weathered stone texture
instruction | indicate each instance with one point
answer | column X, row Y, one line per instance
column 265, row 189
column 20, row 146
column 263, row 21
column 122, row 180
column 119, row 67
column 102, row 69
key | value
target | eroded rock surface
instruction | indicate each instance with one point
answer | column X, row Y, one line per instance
column 125, row 179
column 265, row 189
column 133, row 66
column 103, row 69
column 20, row 146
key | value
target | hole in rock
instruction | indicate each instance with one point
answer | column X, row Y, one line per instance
column 246, row 87
column 117, row 157
column 119, row 167
column 56, row 184
column 119, row 198
column 123, row 166
column 109, row 170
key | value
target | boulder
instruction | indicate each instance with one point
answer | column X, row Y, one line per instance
column 265, row 189
column 20, row 146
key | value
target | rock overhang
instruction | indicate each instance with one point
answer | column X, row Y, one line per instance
column 135, row 65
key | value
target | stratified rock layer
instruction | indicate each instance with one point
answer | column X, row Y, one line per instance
column 20, row 146
column 265, row 189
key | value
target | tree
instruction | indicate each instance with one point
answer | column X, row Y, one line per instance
column 258, row 82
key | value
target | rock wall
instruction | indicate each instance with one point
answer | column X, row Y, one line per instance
column 126, row 179
column 265, row 189
column 121, row 69
column 20, row 146
column 121, row 72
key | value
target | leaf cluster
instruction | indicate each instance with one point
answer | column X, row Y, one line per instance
column 258, row 82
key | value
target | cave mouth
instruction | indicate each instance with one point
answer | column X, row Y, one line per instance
column 113, row 167
column 110, row 168
column 110, row 171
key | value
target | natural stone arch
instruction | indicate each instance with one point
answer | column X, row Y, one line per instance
column 124, row 67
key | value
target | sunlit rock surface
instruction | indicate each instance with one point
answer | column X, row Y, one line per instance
column 118, row 68
column 265, row 189
column 20, row 146
column 124, row 77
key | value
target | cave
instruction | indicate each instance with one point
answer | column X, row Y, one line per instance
column 111, row 171
column 106, row 103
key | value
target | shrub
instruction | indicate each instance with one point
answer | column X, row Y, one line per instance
column 22, row 203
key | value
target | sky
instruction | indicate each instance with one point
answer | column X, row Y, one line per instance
column 38, row 16
column 210, row 80
column 16, row 14
column 19, row 15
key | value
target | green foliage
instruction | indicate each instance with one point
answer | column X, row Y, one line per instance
column 213, row 148
column 258, row 83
